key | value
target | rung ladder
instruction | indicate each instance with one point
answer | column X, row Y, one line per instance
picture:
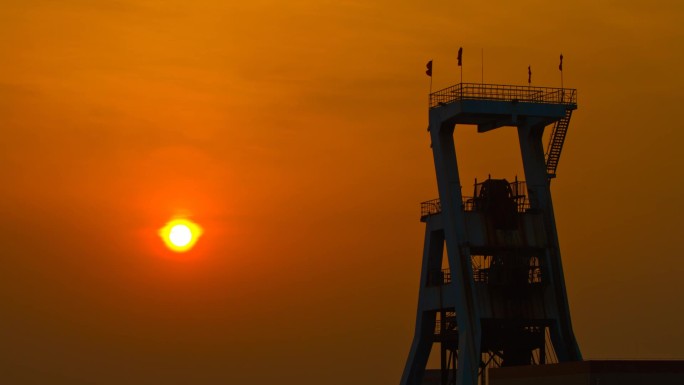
column 553, row 150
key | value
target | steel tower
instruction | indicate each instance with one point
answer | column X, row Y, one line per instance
column 501, row 300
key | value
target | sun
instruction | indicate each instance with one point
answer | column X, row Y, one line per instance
column 180, row 235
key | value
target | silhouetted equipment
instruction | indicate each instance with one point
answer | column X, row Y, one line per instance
column 499, row 298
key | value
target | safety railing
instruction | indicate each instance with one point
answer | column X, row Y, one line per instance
column 430, row 207
column 434, row 206
column 447, row 326
column 503, row 275
column 501, row 92
column 521, row 203
column 480, row 274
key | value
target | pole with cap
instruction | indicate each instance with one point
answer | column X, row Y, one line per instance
column 560, row 67
column 428, row 72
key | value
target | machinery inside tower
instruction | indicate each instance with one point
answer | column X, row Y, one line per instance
column 508, row 276
column 495, row 198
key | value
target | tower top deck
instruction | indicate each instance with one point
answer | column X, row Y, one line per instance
column 504, row 93
column 490, row 106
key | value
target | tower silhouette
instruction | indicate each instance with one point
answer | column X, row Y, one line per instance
column 501, row 300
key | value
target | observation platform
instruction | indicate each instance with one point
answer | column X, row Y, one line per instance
column 503, row 93
column 490, row 106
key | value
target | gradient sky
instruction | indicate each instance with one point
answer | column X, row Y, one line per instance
column 294, row 133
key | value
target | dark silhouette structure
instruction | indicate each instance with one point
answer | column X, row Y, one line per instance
column 499, row 297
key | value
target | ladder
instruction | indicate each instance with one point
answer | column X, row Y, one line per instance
column 553, row 150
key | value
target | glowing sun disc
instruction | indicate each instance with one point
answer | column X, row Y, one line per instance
column 180, row 235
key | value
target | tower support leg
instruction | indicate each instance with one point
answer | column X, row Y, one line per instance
column 449, row 185
column 539, row 189
column 423, row 337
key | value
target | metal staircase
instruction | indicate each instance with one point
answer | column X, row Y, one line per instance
column 553, row 150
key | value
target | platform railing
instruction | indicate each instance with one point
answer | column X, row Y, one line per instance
column 518, row 191
column 435, row 206
column 501, row 92
column 430, row 207
column 447, row 326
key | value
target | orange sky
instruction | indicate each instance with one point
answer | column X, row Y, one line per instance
column 295, row 134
